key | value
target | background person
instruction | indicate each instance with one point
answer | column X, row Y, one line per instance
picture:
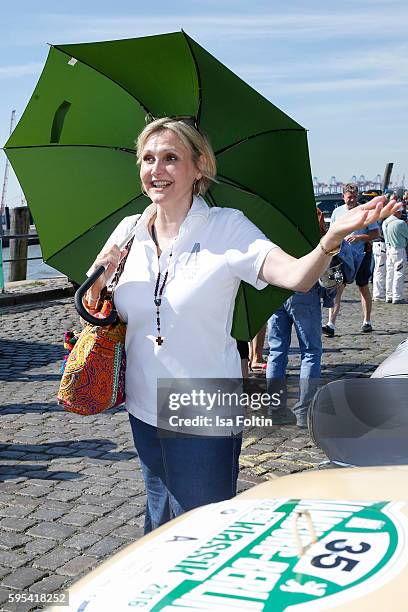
column 379, row 272
column 303, row 312
column 257, row 361
column 395, row 232
column 179, row 309
column 243, row 350
column 358, row 240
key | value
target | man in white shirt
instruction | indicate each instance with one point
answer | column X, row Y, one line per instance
column 358, row 241
column 395, row 232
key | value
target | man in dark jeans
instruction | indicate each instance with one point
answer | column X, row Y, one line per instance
column 360, row 242
column 303, row 312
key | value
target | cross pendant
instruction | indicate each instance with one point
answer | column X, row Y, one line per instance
column 159, row 340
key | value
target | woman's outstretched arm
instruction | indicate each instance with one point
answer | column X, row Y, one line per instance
column 301, row 274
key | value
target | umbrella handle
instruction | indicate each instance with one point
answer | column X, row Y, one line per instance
column 79, row 295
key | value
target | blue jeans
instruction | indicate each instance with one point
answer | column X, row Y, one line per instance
column 302, row 310
column 182, row 473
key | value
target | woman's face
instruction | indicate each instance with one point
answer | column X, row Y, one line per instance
column 167, row 170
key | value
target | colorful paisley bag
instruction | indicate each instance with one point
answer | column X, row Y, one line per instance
column 93, row 377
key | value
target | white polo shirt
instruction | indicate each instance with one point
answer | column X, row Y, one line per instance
column 215, row 249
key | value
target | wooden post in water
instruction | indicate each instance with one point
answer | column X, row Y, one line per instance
column 19, row 224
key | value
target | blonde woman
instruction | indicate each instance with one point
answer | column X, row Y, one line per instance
column 177, row 294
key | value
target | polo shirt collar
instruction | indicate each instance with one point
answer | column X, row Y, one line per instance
column 199, row 211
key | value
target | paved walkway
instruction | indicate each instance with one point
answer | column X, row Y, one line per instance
column 71, row 489
column 29, row 291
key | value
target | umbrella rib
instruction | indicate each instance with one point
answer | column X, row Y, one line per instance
column 227, row 181
column 107, row 76
column 252, row 136
column 93, row 227
column 53, row 146
column 200, row 97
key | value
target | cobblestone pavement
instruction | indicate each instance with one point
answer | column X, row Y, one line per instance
column 71, row 489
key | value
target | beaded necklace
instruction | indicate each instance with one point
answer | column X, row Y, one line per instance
column 158, row 290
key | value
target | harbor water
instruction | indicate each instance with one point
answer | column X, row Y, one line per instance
column 36, row 268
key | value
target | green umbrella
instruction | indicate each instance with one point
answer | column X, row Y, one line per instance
column 73, row 151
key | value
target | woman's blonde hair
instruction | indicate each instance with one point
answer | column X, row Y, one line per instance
column 199, row 146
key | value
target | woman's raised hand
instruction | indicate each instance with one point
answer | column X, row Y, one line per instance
column 362, row 215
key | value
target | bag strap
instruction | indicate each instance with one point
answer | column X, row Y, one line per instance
column 122, row 263
column 121, row 266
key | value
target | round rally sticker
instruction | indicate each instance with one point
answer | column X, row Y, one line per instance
column 358, row 548
column 248, row 555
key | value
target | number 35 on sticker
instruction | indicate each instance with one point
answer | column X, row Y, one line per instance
column 344, row 557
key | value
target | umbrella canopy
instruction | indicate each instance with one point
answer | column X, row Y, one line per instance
column 73, row 151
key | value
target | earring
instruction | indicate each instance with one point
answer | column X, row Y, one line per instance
column 196, row 189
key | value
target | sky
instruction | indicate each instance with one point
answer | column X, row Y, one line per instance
column 338, row 67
